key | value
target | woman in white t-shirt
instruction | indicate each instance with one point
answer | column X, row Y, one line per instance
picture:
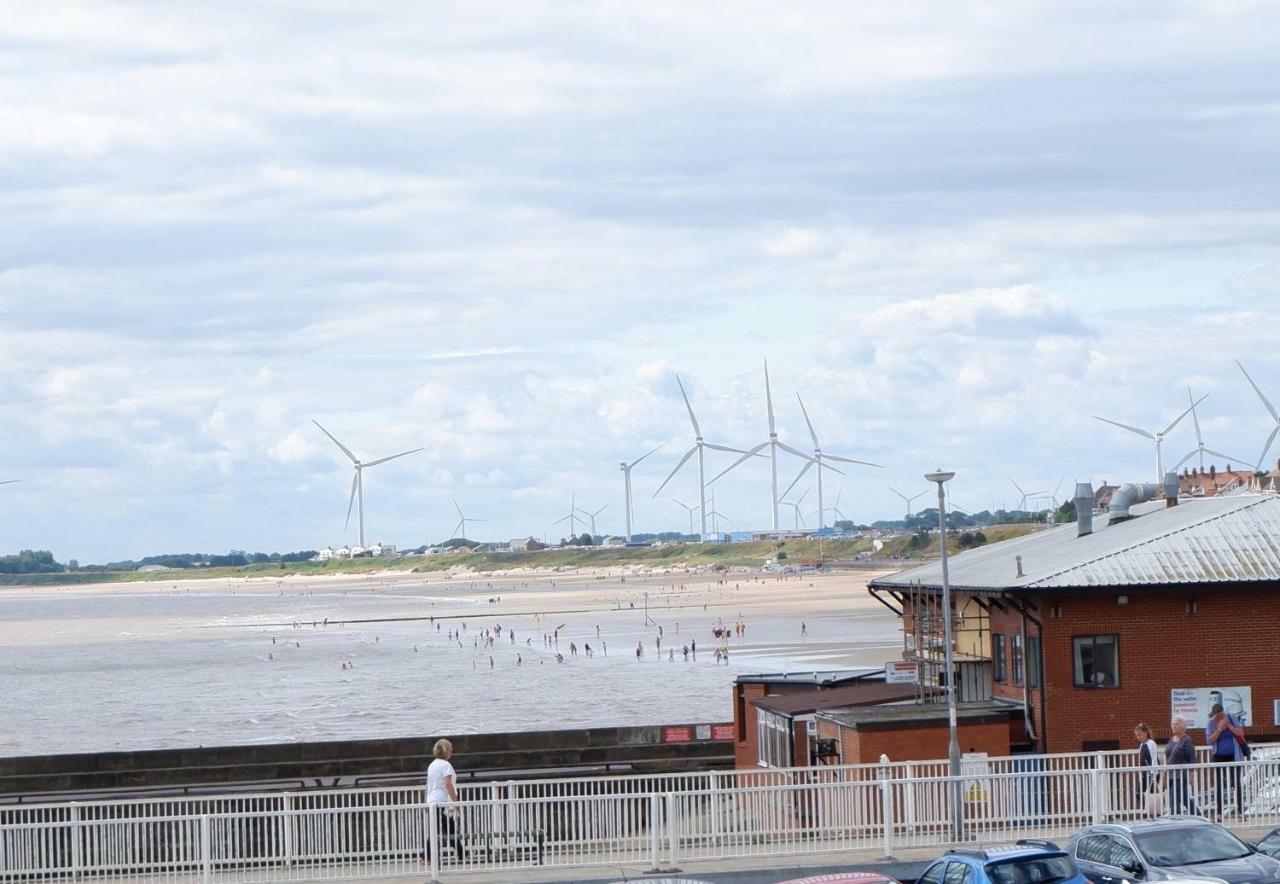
column 442, row 790
column 1149, row 761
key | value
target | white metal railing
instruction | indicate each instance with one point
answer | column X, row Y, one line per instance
column 365, row 833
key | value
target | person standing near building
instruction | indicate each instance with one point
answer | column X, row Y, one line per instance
column 1224, row 736
column 1178, row 752
column 1148, row 760
column 442, row 794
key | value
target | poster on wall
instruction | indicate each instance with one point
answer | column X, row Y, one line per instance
column 1194, row 704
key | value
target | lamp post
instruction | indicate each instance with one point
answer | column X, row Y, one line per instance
column 941, row 477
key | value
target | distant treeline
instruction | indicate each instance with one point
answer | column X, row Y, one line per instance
column 927, row 519
column 41, row 561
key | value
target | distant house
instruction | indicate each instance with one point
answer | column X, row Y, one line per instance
column 525, row 544
column 151, row 569
column 1211, row 482
column 614, row 542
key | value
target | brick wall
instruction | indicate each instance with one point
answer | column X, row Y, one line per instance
column 921, row 743
column 1231, row 639
column 745, row 750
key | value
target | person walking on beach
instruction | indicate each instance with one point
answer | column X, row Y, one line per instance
column 639, row 650
column 804, row 630
column 1178, row 752
column 442, row 794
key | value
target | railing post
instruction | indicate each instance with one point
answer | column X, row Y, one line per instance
column 433, row 841
column 909, row 798
column 206, row 850
column 77, row 861
column 655, row 829
column 886, row 808
column 714, row 792
column 286, row 829
column 673, row 834
column 1095, row 793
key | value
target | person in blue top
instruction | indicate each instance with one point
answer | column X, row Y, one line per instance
column 1224, row 738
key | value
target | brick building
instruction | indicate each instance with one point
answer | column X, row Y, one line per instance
column 1126, row 616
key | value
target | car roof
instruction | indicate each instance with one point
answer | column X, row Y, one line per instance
column 1002, row 852
column 1176, row 821
column 844, row 878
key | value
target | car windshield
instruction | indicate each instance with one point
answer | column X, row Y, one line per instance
column 1033, row 870
column 1189, row 846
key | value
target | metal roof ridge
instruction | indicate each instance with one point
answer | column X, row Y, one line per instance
column 1149, row 540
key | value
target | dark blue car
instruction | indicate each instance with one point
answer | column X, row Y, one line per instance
column 1027, row 862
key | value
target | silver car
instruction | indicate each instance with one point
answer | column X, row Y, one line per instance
column 1169, row 848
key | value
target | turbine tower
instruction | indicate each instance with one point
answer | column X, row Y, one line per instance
column 773, row 445
column 1026, row 495
column 906, row 499
column 460, row 529
column 626, row 484
column 698, row 445
column 690, row 510
column 1158, row 435
column 357, row 481
column 1200, row 448
column 820, row 459
column 1274, row 416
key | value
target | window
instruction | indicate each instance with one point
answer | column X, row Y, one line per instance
column 1093, row 849
column 1017, row 658
column 1033, row 661
column 1122, row 855
column 959, row 873
column 934, row 875
column 997, row 657
column 773, row 740
column 1097, row 661
column 1033, row 870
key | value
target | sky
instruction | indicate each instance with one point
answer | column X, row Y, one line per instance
column 498, row 231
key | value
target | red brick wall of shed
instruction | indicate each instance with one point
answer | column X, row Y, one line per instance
column 745, row 751
column 927, row 743
column 1232, row 639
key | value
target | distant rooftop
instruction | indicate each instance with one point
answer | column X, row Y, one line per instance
column 864, row 694
column 918, row 713
column 822, row 678
column 1201, row 540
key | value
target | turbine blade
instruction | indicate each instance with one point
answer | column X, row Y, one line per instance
column 602, row 509
column 643, row 456
column 697, row 431
column 808, row 423
column 803, row 496
column 1123, row 427
column 558, row 521
column 903, row 496
column 685, row 505
column 787, row 448
column 1265, row 401
column 10, row 481
column 1184, row 414
column 355, row 480
column 768, row 398
column 1226, row 457
column 1019, row 487
column 865, row 463
column 827, row 466
column 688, row 454
column 808, row 465
column 1195, row 418
column 1190, row 454
column 374, row 463
column 345, row 449
column 1265, row 448
column 727, row 448
column 460, row 528
column 746, row 455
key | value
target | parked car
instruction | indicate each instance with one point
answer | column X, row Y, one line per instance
column 1027, row 862
column 1270, row 844
column 844, row 878
column 1169, row 848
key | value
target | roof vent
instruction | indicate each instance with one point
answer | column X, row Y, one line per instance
column 1129, row 494
column 1084, row 508
column 1018, row 561
column 1171, row 489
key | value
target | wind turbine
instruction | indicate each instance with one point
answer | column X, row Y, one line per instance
column 716, row 515
column 1200, row 448
column 592, row 516
column 698, row 444
column 9, row 481
column 820, row 458
column 572, row 518
column 1274, row 416
column 626, row 483
column 795, row 508
column 773, row 445
column 357, row 481
column 835, row 507
column 460, row 529
column 906, row 499
column 691, row 511
column 1026, row 495
column 1158, row 435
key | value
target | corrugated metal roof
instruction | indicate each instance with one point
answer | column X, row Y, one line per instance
column 1210, row 540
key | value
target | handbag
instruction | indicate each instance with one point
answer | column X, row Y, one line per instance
column 1154, row 801
column 1245, row 751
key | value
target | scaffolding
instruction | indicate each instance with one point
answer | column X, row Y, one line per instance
column 924, row 641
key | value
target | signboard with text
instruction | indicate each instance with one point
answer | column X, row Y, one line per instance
column 677, row 735
column 1193, row 704
column 901, row 672
column 722, row 732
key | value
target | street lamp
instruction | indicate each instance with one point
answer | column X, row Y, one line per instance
column 941, row 477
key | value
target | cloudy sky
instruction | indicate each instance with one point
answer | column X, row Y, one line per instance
column 498, row 231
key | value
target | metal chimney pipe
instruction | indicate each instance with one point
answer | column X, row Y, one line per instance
column 1018, row 561
column 1170, row 489
column 1084, row 508
column 1129, row 494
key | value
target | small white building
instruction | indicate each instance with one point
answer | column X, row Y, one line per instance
column 614, row 542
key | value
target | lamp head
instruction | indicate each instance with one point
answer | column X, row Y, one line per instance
column 940, row 476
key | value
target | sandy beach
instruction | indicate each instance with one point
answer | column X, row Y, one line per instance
column 142, row 665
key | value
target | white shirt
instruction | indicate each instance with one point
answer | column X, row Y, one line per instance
column 1153, row 749
column 437, row 773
